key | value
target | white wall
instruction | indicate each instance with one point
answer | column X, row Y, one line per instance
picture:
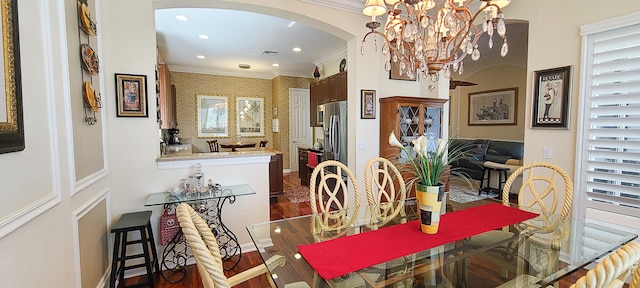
column 45, row 244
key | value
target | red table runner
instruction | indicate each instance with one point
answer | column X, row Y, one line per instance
column 344, row 255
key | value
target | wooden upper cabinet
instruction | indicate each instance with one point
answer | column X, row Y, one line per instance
column 314, row 93
column 167, row 100
column 327, row 90
column 341, row 87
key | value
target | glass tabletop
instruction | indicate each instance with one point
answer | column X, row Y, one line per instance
column 215, row 193
column 575, row 244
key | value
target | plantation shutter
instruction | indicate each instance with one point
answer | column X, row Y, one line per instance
column 609, row 160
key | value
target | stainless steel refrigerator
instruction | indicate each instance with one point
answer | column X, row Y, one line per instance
column 334, row 123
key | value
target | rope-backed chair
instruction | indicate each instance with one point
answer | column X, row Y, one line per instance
column 207, row 253
column 635, row 278
column 214, row 146
column 614, row 269
column 380, row 179
column 540, row 193
column 330, row 203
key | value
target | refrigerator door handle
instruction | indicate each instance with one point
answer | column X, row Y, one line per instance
column 336, row 136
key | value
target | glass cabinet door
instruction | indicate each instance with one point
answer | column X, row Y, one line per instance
column 432, row 127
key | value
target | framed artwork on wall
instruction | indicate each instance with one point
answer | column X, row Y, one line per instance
column 213, row 116
column 11, row 117
column 551, row 98
column 394, row 73
column 368, row 104
column 493, row 107
column 131, row 95
column 250, row 116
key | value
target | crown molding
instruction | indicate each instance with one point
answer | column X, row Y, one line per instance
column 353, row 6
column 335, row 55
column 244, row 74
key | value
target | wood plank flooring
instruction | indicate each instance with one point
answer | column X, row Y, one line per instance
column 285, row 209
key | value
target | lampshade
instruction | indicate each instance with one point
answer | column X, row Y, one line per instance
column 374, row 8
column 391, row 2
column 501, row 3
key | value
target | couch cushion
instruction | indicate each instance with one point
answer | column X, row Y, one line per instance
column 514, row 150
column 502, row 159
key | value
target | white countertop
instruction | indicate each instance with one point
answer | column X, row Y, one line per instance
column 215, row 155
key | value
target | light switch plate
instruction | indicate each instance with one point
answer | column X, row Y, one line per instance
column 546, row 153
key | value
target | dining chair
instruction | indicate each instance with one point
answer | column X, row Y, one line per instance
column 263, row 143
column 207, row 253
column 614, row 269
column 381, row 177
column 540, row 191
column 329, row 190
column 213, row 146
column 329, row 200
column 635, row 278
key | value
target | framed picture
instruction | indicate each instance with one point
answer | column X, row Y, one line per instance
column 368, row 109
column 250, row 113
column 493, row 107
column 11, row 117
column 394, row 73
column 213, row 116
column 551, row 98
column 131, row 95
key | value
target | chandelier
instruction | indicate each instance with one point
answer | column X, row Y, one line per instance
column 428, row 36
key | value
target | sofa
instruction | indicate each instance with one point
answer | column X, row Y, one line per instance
column 480, row 150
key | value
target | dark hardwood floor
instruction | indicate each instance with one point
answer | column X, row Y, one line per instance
column 480, row 274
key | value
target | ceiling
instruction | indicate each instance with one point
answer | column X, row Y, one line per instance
column 239, row 37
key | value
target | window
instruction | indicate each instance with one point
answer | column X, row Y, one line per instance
column 609, row 158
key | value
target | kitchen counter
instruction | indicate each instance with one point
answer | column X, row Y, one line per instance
column 217, row 155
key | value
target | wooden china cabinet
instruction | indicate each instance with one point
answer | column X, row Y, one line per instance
column 409, row 118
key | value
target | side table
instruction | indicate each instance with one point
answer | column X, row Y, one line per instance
column 209, row 204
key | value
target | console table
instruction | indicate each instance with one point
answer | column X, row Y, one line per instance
column 209, row 204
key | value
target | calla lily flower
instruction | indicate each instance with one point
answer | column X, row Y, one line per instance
column 393, row 141
column 420, row 145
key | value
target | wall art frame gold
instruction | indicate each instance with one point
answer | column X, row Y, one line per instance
column 11, row 114
column 131, row 95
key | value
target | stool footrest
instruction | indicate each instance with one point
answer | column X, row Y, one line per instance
column 133, row 242
column 135, row 266
column 129, row 257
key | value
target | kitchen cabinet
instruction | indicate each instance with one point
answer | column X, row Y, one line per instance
column 327, row 90
column 409, row 118
column 303, row 169
column 275, row 177
column 314, row 93
column 167, row 100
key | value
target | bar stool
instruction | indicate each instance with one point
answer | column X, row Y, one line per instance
column 128, row 222
column 489, row 167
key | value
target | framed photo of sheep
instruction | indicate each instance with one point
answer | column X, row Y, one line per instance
column 551, row 98
column 493, row 107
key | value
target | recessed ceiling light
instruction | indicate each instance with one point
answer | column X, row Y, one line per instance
column 200, row 56
column 275, row 64
column 182, row 17
column 296, row 49
column 203, row 36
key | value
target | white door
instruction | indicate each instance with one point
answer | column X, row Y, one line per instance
column 299, row 124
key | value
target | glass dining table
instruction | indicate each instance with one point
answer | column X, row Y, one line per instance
column 548, row 247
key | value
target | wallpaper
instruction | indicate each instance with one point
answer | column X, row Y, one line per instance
column 274, row 92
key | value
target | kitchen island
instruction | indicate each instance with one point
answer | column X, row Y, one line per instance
column 241, row 156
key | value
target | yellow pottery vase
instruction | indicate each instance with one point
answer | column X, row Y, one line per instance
column 430, row 201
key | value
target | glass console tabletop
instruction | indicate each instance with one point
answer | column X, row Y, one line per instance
column 579, row 244
column 163, row 198
column 209, row 205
